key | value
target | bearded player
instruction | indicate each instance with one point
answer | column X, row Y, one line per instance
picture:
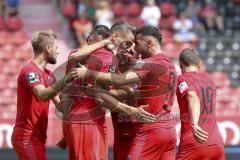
column 156, row 78
column 36, row 87
column 84, row 126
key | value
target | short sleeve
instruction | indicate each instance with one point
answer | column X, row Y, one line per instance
column 184, row 85
column 31, row 79
column 141, row 69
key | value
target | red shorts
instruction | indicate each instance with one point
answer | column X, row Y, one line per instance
column 215, row 152
column 121, row 147
column 86, row 141
column 157, row 144
column 28, row 150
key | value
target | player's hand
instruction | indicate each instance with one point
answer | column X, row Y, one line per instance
column 144, row 116
column 107, row 42
column 109, row 45
column 79, row 73
column 68, row 78
column 200, row 135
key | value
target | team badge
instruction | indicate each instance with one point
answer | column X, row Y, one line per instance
column 183, row 87
column 32, row 78
column 111, row 69
column 50, row 80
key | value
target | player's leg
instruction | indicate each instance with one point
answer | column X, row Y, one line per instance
column 86, row 141
column 152, row 144
column 170, row 150
column 212, row 152
column 185, row 153
column 62, row 143
column 121, row 147
column 219, row 152
column 29, row 150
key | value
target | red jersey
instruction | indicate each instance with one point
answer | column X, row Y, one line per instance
column 32, row 113
column 157, row 89
column 84, row 108
column 202, row 84
column 122, row 123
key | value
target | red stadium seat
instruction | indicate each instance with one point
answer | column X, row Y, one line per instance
column 171, row 50
column 23, row 55
column 137, row 21
column 7, row 56
column 12, row 84
column 4, row 37
column 166, row 23
column 223, row 95
column 2, row 23
column 6, row 97
column 14, row 23
column 19, row 38
column 167, row 36
column 118, row 9
column 68, row 9
column 220, row 79
column 167, row 9
column 10, row 70
column 15, row 63
column 134, row 9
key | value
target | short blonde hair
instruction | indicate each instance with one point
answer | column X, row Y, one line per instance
column 42, row 38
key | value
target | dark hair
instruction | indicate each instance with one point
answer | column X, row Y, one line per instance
column 102, row 30
column 189, row 56
column 150, row 31
column 123, row 26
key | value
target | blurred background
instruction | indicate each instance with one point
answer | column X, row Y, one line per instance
column 210, row 26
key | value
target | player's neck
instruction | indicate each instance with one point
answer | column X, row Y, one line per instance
column 191, row 69
column 156, row 51
column 40, row 62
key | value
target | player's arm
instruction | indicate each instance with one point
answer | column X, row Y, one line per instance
column 56, row 102
column 194, row 111
column 46, row 93
column 114, row 105
column 85, row 51
column 118, row 93
column 66, row 98
column 117, row 80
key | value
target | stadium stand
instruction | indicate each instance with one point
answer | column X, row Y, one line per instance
column 219, row 49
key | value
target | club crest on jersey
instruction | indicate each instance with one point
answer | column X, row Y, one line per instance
column 139, row 64
column 112, row 69
column 50, row 80
column 32, row 78
column 183, row 86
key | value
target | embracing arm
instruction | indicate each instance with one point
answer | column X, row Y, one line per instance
column 46, row 93
column 114, row 105
column 117, row 80
column 85, row 51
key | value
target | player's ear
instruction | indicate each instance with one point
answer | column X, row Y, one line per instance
column 89, row 39
column 150, row 44
column 199, row 64
column 114, row 37
column 48, row 48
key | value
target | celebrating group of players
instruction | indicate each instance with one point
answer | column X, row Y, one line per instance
column 122, row 69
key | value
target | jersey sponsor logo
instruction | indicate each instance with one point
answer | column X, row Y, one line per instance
column 183, row 86
column 139, row 64
column 112, row 69
column 33, row 78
